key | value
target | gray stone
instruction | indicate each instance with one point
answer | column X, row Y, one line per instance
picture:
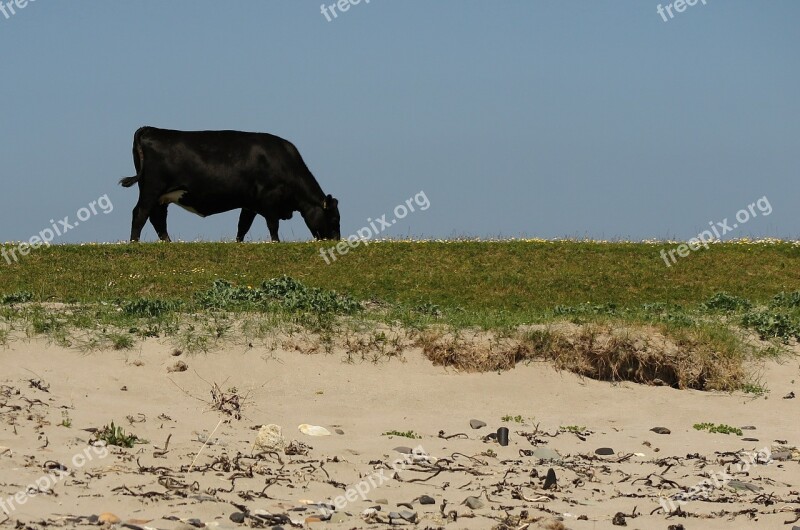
column 604, row 451
column 477, row 424
column 545, row 453
column 781, row 455
column 743, row 486
column 404, row 450
column 237, row 517
column 661, row 430
column 408, row 515
column 474, row 503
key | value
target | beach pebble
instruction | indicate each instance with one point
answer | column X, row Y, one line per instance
column 743, row 486
column 197, row 523
column 749, row 439
column 474, row 503
column 339, row 431
column 550, row 481
column 790, row 395
column 408, row 515
column 108, row 517
column 404, row 450
column 381, row 501
column 619, row 519
column 338, row 517
column 781, row 455
column 427, row 499
column 604, row 451
column 661, row 430
column 237, row 517
column 477, row 424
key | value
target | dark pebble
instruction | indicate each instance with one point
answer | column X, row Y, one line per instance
column 749, row 439
column 550, row 481
column 427, row 499
column 661, row 430
column 604, row 451
column 237, row 517
column 619, row 519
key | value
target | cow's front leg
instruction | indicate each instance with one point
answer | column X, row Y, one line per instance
column 245, row 222
column 272, row 225
column 158, row 218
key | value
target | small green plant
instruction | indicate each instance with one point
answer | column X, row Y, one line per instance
column 754, row 388
column 66, row 421
column 772, row 325
column 789, row 300
column 726, row 302
column 404, row 434
column 573, row 429
column 515, row 419
column 114, row 435
column 17, row 297
column 489, row 453
column 146, row 307
column 721, row 428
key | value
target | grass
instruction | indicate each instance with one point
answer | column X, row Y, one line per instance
column 611, row 311
column 484, row 281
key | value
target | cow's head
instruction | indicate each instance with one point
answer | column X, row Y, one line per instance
column 324, row 221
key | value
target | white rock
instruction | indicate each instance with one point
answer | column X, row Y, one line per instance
column 270, row 438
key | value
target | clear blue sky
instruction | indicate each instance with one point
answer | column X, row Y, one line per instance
column 516, row 118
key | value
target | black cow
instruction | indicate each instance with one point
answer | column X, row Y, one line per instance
column 208, row 172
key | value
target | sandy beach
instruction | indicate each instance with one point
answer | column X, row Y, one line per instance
column 54, row 473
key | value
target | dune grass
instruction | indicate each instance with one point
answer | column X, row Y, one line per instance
column 613, row 311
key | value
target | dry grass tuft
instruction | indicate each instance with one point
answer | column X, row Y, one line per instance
column 640, row 354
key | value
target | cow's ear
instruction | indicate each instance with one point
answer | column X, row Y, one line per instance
column 327, row 202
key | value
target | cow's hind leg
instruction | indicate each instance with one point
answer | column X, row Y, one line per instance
column 158, row 218
column 246, row 219
column 272, row 224
column 140, row 215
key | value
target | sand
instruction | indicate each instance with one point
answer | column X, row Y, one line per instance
column 43, row 385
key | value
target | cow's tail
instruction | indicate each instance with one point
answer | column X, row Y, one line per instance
column 138, row 160
column 127, row 182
